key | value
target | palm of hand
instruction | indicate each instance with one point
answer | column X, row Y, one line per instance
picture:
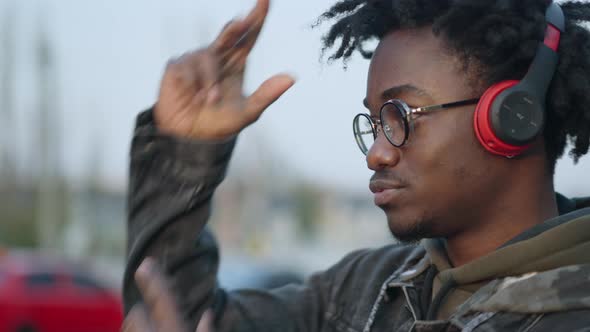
column 201, row 94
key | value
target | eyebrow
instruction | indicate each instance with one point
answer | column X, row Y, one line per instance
column 396, row 91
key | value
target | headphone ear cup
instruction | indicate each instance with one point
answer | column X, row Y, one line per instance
column 484, row 128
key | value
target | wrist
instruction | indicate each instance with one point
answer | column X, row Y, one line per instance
column 151, row 142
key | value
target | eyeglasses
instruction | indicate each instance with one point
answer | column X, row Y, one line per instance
column 395, row 120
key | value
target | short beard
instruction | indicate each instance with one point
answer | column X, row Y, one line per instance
column 420, row 228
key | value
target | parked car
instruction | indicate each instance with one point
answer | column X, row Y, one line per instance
column 39, row 293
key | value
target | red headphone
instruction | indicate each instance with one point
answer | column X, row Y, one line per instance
column 510, row 114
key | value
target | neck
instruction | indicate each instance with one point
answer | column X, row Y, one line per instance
column 517, row 211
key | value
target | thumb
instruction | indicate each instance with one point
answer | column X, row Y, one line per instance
column 266, row 94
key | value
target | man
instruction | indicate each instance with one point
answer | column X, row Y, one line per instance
column 463, row 159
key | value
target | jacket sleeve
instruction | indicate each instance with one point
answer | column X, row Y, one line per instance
column 169, row 202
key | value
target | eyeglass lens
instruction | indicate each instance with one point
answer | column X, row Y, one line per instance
column 393, row 125
column 363, row 132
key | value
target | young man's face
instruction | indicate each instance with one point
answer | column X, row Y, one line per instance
column 446, row 177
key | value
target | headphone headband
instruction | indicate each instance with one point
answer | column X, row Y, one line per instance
column 554, row 16
column 540, row 73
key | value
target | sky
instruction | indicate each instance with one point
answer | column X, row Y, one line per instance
column 110, row 55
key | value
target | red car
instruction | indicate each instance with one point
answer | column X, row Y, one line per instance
column 43, row 294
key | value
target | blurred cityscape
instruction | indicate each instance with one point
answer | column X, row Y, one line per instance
column 63, row 236
column 264, row 211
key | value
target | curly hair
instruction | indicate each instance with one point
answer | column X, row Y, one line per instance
column 499, row 37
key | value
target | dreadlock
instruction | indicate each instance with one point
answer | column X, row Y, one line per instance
column 499, row 37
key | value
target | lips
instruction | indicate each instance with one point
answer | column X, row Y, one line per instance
column 386, row 192
column 377, row 186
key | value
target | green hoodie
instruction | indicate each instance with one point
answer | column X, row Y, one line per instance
column 537, row 256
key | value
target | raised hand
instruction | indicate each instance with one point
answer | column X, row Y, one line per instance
column 201, row 94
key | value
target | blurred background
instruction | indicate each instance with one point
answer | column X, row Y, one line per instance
column 73, row 76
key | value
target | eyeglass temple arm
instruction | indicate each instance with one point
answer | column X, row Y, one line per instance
column 448, row 105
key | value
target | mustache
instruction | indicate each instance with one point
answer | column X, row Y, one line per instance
column 388, row 177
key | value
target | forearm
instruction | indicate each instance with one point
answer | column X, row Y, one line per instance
column 170, row 190
column 169, row 199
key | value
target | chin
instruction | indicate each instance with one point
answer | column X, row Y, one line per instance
column 409, row 228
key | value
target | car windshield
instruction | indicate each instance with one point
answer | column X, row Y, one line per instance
column 85, row 282
column 41, row 279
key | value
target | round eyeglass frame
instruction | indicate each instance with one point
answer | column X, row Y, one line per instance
column 406, row 113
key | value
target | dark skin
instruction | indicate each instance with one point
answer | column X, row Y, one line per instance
column 448, row 185
column 451, row 186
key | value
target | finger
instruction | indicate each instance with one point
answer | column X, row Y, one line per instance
column 255, row 21
column 158, row 298
column 241, row 35
column 265, row 95
column 258, row 13
column 137, row 320
column 235, row 60
column 206, row 322
column 229, row 36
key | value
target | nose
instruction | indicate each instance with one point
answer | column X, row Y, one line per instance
column 382, row 154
